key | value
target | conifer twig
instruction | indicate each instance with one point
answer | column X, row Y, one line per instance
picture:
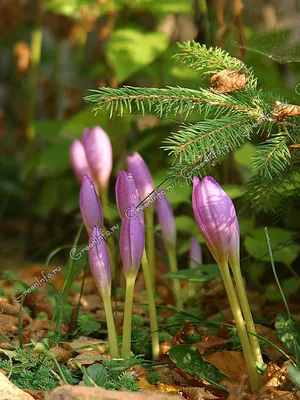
column 227, row 118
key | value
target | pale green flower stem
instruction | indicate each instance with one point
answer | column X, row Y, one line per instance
column 151, row 307
column 104, row 200
column 254, row 377
column 111, row 328
column 126, row 344
column 236, row 269
column 150, row 244
column 171, row 250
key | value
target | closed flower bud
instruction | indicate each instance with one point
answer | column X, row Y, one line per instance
column 78, row 160
column 127, row 194
column 98, row 152
column 90, row 206
column 195, row 254
column 99, row 262
column 215, row 216
column 141, row 175
column 166, row 219
column 131, row 245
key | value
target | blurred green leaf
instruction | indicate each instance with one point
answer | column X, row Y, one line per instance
column 145, row 142
column 271, row 293
column 85, row 118
column 54, row 160
column 129, row 49
column 290, row 285
column 294, row 375
column 288, row 332
column 185, row 244
column 162, row 7
column 90, row 327
column 256, row 270
column 202, row 273
column 73, row 8
column 179, row 195
column 243, row 155
column 98, row 373
column 165, row 70
column 233, row 191
column 11, row 188
column 246, row 226
column 186, row 224
column 48, row 129
column 11, row 276
column 283, row 246
column 87, row 324
column 48, row 198
column 59, row 194
column 261, row 48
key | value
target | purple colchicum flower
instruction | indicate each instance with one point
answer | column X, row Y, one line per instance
column 78, row 160
column 141, row 175
column 166, row 219
column 215, row 216
column 127, row 194
column 132, row 244
column 99, row 262
column 90, row 206
column 195, row 253
column 98, row 152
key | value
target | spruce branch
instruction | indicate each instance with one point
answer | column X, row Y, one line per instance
column 169, row 101
column 272, row 157
column 229, row 113
column 212, row 60
column 207, row 60
column 268, row 194
column 198, row 146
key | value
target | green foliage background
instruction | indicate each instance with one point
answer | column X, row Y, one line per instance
column 91, row 43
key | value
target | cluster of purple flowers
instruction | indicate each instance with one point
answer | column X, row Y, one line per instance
column 214, row 214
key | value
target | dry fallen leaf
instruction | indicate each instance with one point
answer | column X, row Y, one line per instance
column 275, row 376
column 171, row 389
column 231, row 363
column 165, row 347
column 271, row 335
column 38, row 303
column 90, row 357
column 8, row 324
column 89, row 302
column 5, row 345
column 83, row 344
column 198, row 393
column 164, row 373
column 139, row 372
column 13, row 309
column 273, row 393
column 209, row 343
column 145, row 385
column 37, row 329
column 36, row 394
column 61, row 354
column 240, row 391
column 10, row 391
